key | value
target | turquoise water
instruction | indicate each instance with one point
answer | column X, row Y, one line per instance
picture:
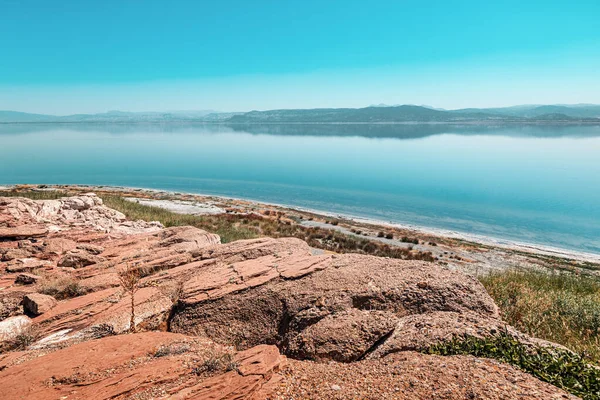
column 536, row 184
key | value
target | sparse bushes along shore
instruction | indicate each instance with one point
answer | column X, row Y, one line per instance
column 246, row 226
column 231, row 227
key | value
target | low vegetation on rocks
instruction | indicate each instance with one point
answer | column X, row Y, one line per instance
column 561, row 368
column 215, row 362
column 60, row 288
column 560, row 307
column 21, row 341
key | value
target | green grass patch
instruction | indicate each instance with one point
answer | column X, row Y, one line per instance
column 228, row 227
column 34, row 194
column 559, row 307
column 561, row 368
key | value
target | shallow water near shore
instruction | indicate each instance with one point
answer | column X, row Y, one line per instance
column 534, row 184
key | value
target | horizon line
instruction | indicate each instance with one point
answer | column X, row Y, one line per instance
column 382, row 105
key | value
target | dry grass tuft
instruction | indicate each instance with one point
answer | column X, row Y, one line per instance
column 559, row 307
column 60, row 287
column 21, row 341
column 216, row 362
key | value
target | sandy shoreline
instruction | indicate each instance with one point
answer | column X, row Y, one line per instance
column 480, row 239
column 207, row 204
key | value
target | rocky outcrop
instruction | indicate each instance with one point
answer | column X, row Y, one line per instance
column 308, row 300
column 36, row 218
column 349, row 323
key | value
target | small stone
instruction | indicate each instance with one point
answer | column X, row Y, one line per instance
column 26, row 278
column 15, row 254
column 335, row 387
column 91, row 248
column 37, row 303
column 13, row 326
column 22, row 232
column 58, row 245
column 13, row 268
column 78, row 258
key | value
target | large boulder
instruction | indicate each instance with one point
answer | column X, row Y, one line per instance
column 302, row 302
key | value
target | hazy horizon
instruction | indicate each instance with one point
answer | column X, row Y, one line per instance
column 254, row 109
column 80, row 57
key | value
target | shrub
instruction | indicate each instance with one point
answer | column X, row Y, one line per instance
column 129, row 279
column 217, row 362
column 228, row 226
column 380, row 234
column 171, row 349
column 61, row 287
column 389, row 235
column 561, row 368
column 22, row 340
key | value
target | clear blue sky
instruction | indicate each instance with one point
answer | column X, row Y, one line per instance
column 91, row 56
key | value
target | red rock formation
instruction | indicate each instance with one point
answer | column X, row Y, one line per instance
column 349, row 321
column 145, row 365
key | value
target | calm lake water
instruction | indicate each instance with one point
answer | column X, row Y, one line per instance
column 536, row 184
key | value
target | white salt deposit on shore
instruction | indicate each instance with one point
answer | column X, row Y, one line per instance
column 181, row 206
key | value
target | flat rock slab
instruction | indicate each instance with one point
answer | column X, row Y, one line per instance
column 131, row 366
column 409, row 376
column 22, row 232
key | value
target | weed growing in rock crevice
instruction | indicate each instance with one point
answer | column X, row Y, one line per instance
column 129, row 279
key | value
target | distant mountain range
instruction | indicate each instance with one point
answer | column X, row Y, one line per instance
column 373, row 114
column 117, row 116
